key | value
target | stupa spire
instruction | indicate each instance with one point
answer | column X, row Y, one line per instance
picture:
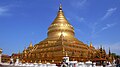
column 59, row 24
column 91, row 44
column 60, row 7
column 30, row 44
column 109, row 52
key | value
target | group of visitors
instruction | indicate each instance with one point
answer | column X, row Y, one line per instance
column 116, row 63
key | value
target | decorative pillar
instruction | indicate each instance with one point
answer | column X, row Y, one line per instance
column 0, row 55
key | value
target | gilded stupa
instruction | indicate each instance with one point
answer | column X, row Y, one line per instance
column 60, row 42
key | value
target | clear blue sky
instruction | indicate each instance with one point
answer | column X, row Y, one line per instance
column 25, row 21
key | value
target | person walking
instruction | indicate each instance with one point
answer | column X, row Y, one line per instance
column 117, row 62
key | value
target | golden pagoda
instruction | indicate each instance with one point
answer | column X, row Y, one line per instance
column 59, row 43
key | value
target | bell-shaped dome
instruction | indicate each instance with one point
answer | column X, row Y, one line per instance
column 60, row 26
